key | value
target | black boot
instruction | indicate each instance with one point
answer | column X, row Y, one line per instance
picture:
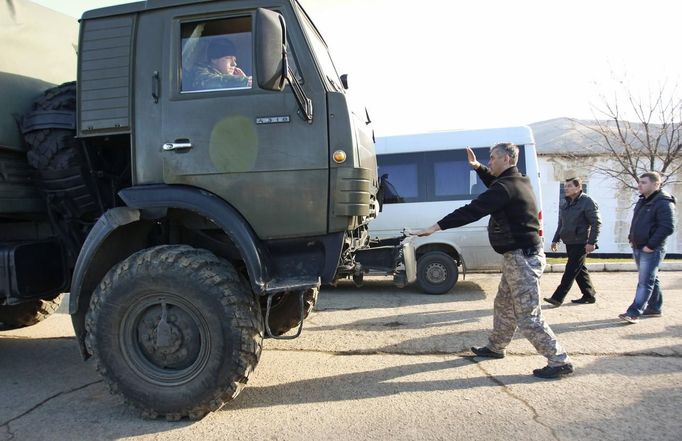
column 553, row 301
column 554, row 371
column 483, row 351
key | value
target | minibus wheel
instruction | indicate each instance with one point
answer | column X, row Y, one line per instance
column 437, row 272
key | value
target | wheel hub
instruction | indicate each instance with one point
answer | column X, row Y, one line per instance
column 170, row 341
column 436, row 273
column 167, row 339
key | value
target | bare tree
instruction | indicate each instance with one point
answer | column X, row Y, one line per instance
column 651, row 141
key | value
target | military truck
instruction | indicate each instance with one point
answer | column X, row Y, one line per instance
column 38, row 52
column 190, row 217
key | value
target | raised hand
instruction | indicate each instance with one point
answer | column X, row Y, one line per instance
column 471, row 157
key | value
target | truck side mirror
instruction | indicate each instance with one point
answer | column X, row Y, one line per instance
column 271, row 56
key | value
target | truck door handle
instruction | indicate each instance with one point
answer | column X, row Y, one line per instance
column 156, row 86
column 179, row 144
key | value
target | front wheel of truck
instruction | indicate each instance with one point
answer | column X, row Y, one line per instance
column 175, row 331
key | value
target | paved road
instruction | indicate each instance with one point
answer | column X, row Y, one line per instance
column 379, row 363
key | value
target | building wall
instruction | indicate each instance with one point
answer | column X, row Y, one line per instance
column 615, row 204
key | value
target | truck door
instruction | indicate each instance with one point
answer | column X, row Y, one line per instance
column 218, row 131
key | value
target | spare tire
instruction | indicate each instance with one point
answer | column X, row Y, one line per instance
column 62, row 174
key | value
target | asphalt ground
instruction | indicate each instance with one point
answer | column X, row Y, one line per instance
column 380, row 363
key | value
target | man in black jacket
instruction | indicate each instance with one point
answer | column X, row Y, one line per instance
column 513, row 231
column 578, row 228
column 652, row 222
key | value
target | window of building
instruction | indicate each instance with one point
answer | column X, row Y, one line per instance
column 562, row 196
column 217, row 54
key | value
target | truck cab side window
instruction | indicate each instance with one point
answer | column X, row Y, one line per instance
column 216, row 55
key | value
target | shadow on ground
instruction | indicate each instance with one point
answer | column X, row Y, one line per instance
column 381, row 294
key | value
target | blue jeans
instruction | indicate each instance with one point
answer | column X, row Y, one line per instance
column 648, row 296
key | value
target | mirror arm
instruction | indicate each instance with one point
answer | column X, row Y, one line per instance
column 305, row 105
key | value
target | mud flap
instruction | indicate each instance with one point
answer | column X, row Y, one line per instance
column 409, row 259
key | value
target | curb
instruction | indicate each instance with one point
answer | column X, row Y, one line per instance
column 612, row 267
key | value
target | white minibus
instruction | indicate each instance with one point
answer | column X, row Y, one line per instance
column 426, row 176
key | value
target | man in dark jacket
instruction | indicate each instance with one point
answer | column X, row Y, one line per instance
column 578, row 228
column 513, row 231
column 652, row 222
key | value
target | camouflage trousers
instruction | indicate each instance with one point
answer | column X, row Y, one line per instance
column 517, row 305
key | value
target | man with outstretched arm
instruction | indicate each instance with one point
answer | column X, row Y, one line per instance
column 513, row 231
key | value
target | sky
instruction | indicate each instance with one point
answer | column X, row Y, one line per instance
column 449, row 64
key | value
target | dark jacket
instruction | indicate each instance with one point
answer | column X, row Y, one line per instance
column 511, row 205
column 653, row 220
column 579, row 221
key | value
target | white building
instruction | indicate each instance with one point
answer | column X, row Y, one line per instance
column 563, row 153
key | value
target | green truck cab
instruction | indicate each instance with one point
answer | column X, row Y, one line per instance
column 204, row 177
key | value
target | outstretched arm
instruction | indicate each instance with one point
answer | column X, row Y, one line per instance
column 427, row 231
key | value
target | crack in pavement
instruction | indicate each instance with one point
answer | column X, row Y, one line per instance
column 506, row 389
column 5, row 424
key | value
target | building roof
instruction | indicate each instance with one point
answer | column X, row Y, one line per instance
column 561, row 136
column 564, row 136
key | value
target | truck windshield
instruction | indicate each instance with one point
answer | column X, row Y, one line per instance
column 319, row 49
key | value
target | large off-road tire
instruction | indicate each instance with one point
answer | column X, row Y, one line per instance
column 62, row 173
column 175, row 331
column 285, row 312
column 437, row 272
column 27, row 314
column 54, row 148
